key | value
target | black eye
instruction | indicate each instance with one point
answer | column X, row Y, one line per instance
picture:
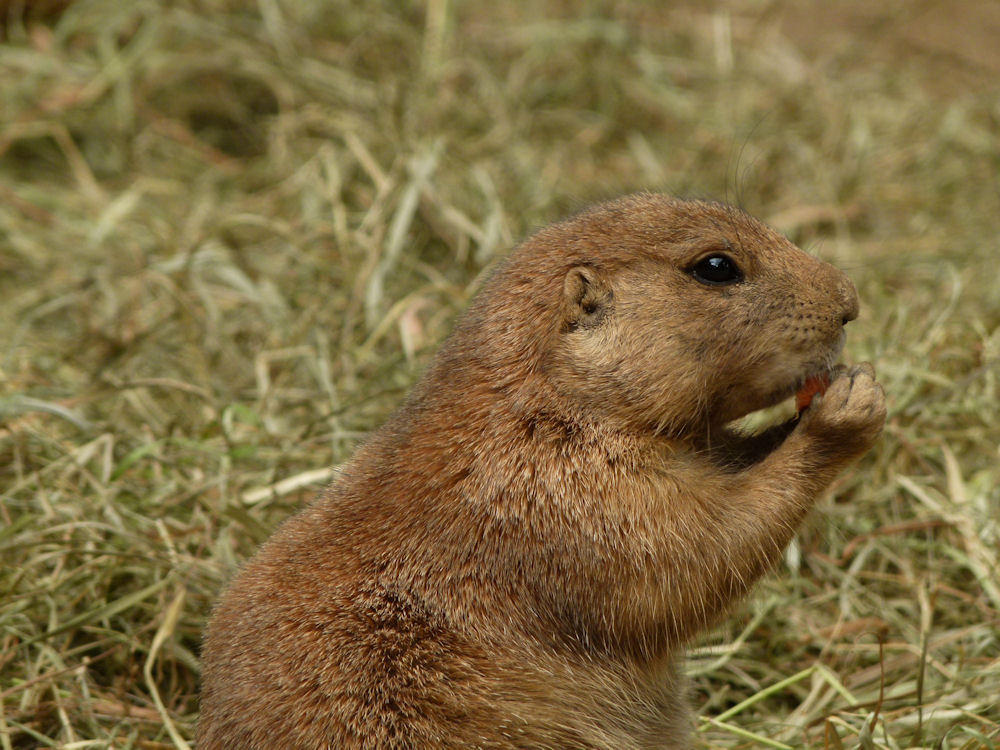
column 716, row 270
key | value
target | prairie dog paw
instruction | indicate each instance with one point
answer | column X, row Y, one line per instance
column 848, row 418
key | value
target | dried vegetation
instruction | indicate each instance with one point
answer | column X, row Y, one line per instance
column 231, row 234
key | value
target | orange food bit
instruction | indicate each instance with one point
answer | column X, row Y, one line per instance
column 812, row 386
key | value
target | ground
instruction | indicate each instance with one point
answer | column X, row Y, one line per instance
column 232, row 234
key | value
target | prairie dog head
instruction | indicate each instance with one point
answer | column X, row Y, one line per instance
column 670, row 315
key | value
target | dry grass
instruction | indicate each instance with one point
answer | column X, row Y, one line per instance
column 231, row 234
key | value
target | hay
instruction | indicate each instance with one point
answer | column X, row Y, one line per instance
column 232, row 234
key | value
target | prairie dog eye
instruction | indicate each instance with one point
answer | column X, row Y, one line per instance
column 716, row 270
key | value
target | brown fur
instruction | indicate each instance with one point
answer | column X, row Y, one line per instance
column 516, row 559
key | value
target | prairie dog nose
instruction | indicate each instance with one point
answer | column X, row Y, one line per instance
column 849, row 300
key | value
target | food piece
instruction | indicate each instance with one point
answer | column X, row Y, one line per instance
column 812, row 386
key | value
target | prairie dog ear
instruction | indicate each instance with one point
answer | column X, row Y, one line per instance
column 587, row 297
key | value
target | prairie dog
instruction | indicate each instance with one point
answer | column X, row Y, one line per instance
column 518, row 556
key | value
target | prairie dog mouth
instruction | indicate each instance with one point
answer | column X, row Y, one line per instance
column 815, row 385
column 784, row 378
column 786, row 401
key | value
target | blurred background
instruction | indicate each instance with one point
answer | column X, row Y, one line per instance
column 232, row 233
